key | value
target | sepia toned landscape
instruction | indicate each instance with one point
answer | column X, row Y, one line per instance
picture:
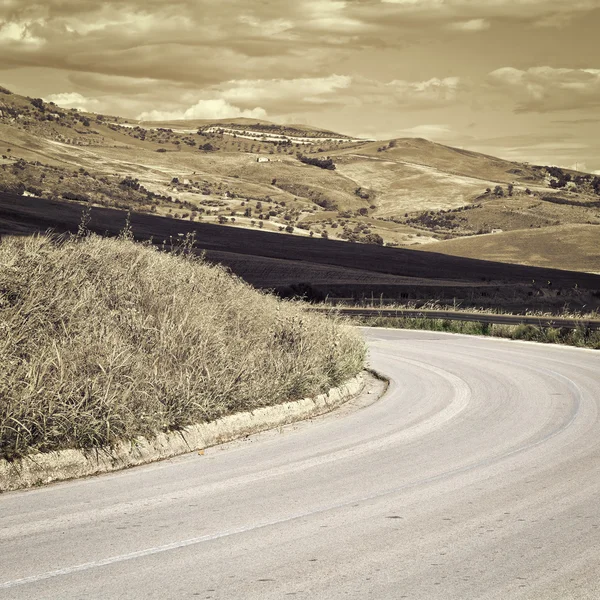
column 299, row 299
column 304, row 182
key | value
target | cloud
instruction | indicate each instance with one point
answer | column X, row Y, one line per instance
column 216, row 108
column 470, row 26
column 314, row 90
column 547, row 89
column 494, row 7
column 74, row 100
column 432, row 91
column 309, row 94
column 431, row 131
column 21, row 33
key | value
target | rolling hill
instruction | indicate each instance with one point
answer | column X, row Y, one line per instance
column 249, row 174
column 319, row 268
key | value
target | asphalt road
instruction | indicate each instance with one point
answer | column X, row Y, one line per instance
column 477, row 475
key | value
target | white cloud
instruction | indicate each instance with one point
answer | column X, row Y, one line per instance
column 73, row 100
column 470, row 26
column 432, row 131
column 267, row 27
column 541, row 13
column 419, row 4
column 330, row 16
column 431, row 91
column 21, row 32
column 276, row 90
column 547, row 89
column 215, row 108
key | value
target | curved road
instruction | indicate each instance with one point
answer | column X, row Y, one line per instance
column 477, row 475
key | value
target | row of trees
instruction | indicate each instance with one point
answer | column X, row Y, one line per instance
column 323, row 163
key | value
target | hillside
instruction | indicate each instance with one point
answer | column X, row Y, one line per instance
column 569, row 247
column 292, row 179
column 317, row 268
column 97, row 348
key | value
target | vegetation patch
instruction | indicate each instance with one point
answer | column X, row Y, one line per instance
column 323, row 163
column 104, row 340
column 581, row 336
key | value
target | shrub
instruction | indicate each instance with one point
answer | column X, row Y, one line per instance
column 323, row 163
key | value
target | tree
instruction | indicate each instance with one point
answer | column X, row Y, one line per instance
column 511, row 187
column 290, row 229
column 323, row 163
column 498, row 191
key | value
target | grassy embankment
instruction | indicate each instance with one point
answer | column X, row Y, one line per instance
column 580, row 336
column 104, row 340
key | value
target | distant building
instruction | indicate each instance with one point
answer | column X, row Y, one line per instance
column 263, row 159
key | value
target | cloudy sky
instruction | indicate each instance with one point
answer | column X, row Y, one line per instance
column 515, row 78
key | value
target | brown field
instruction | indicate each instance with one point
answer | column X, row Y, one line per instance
column 294, row 265
column 569, row 247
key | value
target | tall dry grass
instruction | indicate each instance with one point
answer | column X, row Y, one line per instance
column 105, row 339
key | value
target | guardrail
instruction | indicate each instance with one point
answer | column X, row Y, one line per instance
column 541, row 321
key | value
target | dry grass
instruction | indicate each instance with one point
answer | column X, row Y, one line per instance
column 104, row 340
column 574, row 247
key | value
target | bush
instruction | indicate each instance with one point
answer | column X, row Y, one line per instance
column 105, row 340
column 323, row 163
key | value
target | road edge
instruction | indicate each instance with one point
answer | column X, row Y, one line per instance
column 44, row 468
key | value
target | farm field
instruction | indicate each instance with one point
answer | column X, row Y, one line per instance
column 294, row 265
column 574, row 247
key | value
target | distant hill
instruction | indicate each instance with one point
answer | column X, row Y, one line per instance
column 244, row 124
column 292, row 179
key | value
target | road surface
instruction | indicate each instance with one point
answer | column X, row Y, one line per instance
column 477, row 475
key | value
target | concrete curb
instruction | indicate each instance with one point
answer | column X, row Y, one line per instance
column 70, row 464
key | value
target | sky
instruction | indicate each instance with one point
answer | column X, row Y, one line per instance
column 519, row 79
